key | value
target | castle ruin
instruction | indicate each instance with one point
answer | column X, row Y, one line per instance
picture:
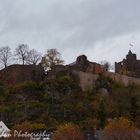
column 129, row 66
column 82, row 64
column 84, row 71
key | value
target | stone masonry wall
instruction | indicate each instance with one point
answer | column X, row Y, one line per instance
column 87, row 80
column 123, row 78
column 21, row 73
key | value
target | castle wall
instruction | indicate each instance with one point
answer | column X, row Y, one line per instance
column 20, row 73
column 51, row 74
column 129, row 66
column 99, row 68
column 137, row 64
column 91, row 68
column 87, row 80
column 125, row 80
column 81, row 64
column 117, row 67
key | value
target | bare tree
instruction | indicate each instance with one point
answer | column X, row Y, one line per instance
column 52, row 58
column 106, row 65
column 33, row 57
column 5, row 54
column 22, row 52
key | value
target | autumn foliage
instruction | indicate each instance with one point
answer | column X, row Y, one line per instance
column 68, row 132
column 120, row 129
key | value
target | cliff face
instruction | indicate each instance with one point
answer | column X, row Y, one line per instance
column 21, row 73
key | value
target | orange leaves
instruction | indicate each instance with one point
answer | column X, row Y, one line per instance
column 68, row 132
column 120, row 129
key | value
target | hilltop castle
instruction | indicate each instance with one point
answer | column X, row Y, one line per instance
column 81, row 64
column 82, row 70
column 129, row 66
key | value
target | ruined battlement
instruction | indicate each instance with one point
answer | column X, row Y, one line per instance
column 81, row 64
column 21, row 73
column 129, row 66
column 127, row 71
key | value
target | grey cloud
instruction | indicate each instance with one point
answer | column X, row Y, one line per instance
column 72, row 26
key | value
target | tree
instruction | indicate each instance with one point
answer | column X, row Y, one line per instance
column 52, row 58
column 5, row 54
column 33, row 57
column 24, row 127
column 133, row 108
column 120, row 129
column 22, row 52
column 101, row 114
column 68, row 132
column 106, row 65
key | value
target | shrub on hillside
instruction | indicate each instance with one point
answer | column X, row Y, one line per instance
column 120, row 129
column 68, row 132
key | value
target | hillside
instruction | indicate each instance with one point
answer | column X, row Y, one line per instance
column 82, row 93
column 53, row 102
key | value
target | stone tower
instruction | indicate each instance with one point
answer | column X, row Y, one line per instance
column 129, row 66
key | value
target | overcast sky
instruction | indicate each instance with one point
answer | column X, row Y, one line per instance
column 101, row 29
